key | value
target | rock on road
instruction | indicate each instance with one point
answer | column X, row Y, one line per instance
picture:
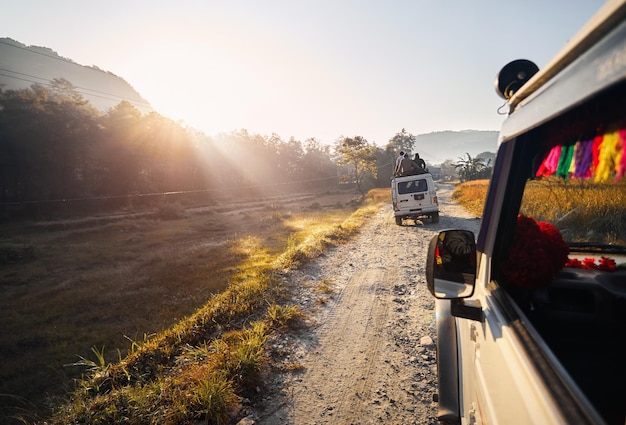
column 367, row 355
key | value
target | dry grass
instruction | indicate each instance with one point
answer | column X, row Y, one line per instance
column 471, row 195
column 380, row 195
column 215, row 281
column 97, row 287
column 326, row 286
column 293, row 367
column 280, row 316
column 583, row 210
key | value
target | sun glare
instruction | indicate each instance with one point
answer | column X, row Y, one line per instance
column 231, row 84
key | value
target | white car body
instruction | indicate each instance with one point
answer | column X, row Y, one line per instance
column 560, row 360
column 414, row 197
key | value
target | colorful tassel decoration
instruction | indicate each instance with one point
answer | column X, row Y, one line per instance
column 595, row 152
column 550, row 163
column 621, row 163
column 565, row 159
column 583, row 159
column 601, row 158
column 607, row 157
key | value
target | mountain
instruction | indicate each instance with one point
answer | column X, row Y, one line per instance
column 21, row 66
column 438, row 146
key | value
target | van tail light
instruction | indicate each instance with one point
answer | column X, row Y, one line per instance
column 435, row 200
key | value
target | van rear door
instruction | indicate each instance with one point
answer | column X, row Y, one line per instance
column 413, row 194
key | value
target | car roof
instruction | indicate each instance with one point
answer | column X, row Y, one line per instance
column 572, row 75
column 607, row 18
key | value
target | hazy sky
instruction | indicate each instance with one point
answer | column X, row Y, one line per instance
column 322, row 68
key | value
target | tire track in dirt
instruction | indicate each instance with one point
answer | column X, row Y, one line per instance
column 351, row 343
column 368, row 355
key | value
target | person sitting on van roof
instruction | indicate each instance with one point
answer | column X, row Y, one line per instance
column 420, row 164
column 406, row 166
column 396, row 168
column 398, row 160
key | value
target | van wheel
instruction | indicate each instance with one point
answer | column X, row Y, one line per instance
column 435, row 217
column 399, row 221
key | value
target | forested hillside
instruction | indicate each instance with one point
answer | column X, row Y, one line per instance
column 59, row 152
column 22, row 65
column 61, row 155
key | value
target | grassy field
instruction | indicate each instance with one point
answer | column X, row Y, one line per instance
column 583, row 210
column 125, row 303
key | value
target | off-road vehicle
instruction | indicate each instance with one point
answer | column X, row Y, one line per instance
column 531, row 317
column 414, row 197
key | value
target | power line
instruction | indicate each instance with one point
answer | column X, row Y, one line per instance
column 26, row 75
column 139, row 102
column 78, row 87
column 180, row 192
column 49, row 84
column 62, row 59
column 146, row 195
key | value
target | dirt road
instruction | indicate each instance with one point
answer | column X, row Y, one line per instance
column 367, row 355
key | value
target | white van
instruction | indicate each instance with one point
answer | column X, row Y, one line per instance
column 414, row 197
column 531, row 317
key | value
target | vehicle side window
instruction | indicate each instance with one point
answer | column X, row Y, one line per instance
column 413, row 186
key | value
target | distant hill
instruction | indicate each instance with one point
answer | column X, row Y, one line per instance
column 438, row 146
column 21, row 66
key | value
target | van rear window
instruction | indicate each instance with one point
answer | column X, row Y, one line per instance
column 412, row 186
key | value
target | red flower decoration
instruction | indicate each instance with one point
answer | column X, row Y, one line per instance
column 574, row 263
column 589, row 263
column 538, row 252
column 557, row 246
column 606, row 264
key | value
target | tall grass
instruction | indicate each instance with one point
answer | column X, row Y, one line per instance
column 471, row 195
column 378, row 196
column 582, row 210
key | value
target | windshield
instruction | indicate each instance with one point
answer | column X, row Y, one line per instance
column 566, row 221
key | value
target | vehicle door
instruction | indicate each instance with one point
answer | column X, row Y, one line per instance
column 499, row 383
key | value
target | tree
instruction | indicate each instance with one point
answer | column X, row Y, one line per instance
column 122, row 150
column 487, row 157
column 289, row 159
column 448, row 169
column 46, row 140
column 402, row 141
column 385, row 164
column 317, row 165
column 168, row 156
column 472, row 168
column 359, row 154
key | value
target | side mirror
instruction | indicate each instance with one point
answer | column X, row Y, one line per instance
column 451, row 264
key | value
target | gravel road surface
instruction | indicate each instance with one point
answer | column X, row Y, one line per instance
column 367, row 353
